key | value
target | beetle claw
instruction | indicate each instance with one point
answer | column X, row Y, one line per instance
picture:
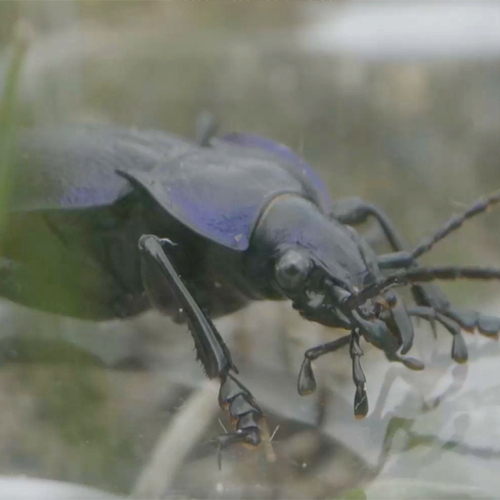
column 247, row 437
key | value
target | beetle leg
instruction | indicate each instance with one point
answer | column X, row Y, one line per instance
column 306, row 383
column 377, row 333
column 468, row 320
column 431, row 297
column 459, row 349
column 210, row 348
column 356, row 211
column 358, row 376
column 238, row 401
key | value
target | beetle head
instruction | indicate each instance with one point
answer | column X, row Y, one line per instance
column 321, row 265
column 322, row 296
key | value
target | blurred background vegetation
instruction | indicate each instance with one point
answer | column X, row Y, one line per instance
column 409, row 120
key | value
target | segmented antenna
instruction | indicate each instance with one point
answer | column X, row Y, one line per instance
column 426, row 274
column 478, row 207
column 423, row 275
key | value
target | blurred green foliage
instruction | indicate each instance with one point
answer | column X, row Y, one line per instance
column 8, row 114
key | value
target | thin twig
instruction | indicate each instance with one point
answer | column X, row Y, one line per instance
column 173, row 446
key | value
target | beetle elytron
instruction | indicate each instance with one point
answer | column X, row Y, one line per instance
column 105, row 222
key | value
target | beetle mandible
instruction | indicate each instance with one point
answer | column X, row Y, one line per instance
column 105, row 222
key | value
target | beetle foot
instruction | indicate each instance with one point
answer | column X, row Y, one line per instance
column 238, row 401
column 358, row 376
column 248, row 437
column 456, row 321
column 306, row 382
column 472, row 320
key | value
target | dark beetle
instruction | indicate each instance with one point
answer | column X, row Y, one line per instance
column 105, row 221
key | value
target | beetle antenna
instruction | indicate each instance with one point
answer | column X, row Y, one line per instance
column 478, row 207
column 423, row 275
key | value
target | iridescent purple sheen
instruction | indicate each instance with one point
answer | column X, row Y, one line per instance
column 284, row 152
column 226, row 223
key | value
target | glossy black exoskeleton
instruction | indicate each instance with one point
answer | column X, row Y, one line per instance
column 105, row 222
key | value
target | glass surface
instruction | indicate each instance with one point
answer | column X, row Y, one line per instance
column 396, row 103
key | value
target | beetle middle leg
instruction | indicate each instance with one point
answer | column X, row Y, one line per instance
column 158, row 271
column 355, row 211
column 306, row 383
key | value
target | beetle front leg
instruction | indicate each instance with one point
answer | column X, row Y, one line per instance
column 355, row 211
column 306, row 383
column 157, row 269
column 358, row 376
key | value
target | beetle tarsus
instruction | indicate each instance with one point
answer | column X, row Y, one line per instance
column 238, row 401
column 251, row 438
column 360, row 398
column 466, row 320
column 306, row 383
column 472, row 320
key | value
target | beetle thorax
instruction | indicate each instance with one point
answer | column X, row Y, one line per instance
column 294, row 223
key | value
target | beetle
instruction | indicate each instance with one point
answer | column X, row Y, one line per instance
column 105, row 222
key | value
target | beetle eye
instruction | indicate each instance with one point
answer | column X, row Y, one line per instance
column 292, row 269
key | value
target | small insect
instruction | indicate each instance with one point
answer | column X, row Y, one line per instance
column 107, row 222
